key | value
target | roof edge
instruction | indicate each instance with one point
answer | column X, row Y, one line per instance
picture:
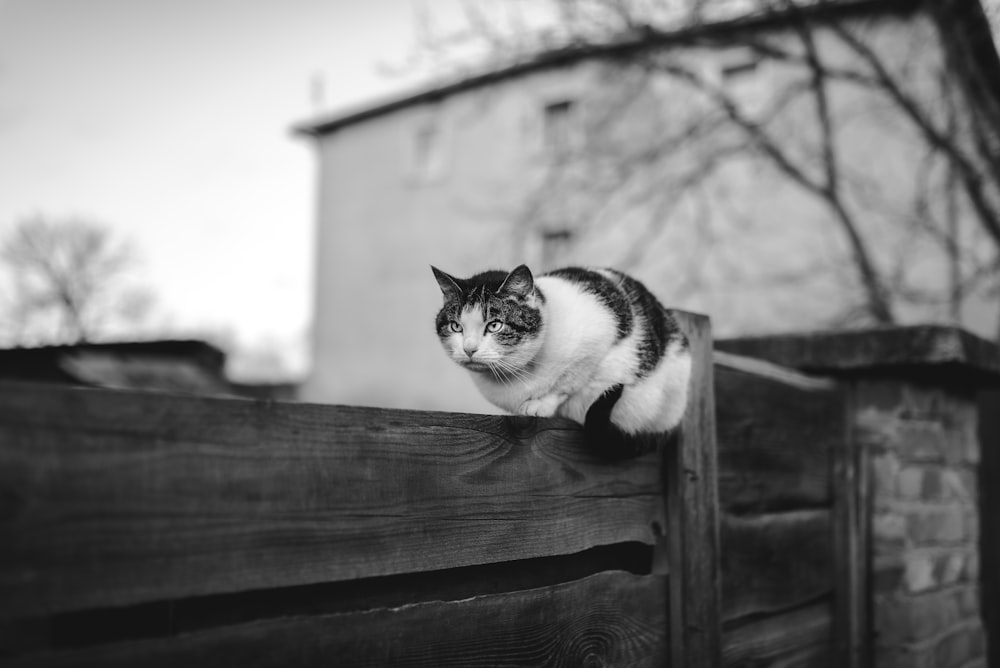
column 825, row 9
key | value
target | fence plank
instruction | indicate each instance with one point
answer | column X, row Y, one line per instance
column 775, row 438
column 989, row 519
column 775, row 561
column 111, row 498
column 769, row 642
column 608, row 619
column 851, row 538
column 690, row 465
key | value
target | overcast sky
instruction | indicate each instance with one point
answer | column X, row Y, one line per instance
column 169, row 121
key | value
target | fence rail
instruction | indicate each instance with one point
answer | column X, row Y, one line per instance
column 278, row 534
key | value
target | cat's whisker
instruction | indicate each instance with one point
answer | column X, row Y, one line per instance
column 514, row 372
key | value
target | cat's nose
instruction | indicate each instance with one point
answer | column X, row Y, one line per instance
column 470, row 347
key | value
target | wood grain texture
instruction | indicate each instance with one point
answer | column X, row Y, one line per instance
column 937, row 350
column 610, row 619
column 852, row 515
column 775, row 562
column 690, row 474
column 112, row 498
column 800, row 637
column 775, row 440
column 989, row 519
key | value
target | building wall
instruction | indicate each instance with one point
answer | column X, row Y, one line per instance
column 383, row 222
column 465, row 183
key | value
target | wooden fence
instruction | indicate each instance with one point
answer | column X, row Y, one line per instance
column 151, row 529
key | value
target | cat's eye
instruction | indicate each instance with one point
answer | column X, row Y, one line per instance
column 454, row 326
column 494, row 326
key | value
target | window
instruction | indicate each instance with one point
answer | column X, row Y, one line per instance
column 426, row 157
column 555, row 247
column 560, row 127
column 425, row 147
column 738, row 68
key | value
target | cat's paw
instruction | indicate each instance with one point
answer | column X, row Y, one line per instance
column 542, row 407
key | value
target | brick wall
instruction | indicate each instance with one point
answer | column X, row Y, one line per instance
column 923, row 451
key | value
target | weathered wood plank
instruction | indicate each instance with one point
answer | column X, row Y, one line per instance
column 610, row 619
column 989, row 518
column 775, row 434
column 801, row 637
column 936, row 349
column 111, row 498
column 775, row 561
column 690, row 474
column 851, row 531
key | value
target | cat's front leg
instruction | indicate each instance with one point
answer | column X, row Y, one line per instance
column 544, row 406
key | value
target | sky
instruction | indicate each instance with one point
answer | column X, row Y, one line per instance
column 170, row 122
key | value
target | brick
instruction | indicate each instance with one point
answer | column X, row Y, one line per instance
column 918, row 572
column 904, row 619
column 960, row 485
column 904, row 657
column 936, row 524
column 978, row 639
column 888, row 573
column 958, row 647
column 971, row 518
column 970, row 440
column 968, row 601
column 889, row 530
column 910, row 483
column 948, row 569
column 923, row 441
column 923, row 403
column 877, row 429
column 924, row 570
column 884, row 469
column 971, row 572
column 932, row 488
column 884, row 396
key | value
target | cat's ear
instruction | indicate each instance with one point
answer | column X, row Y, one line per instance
column 449, row 286
column 519, row 283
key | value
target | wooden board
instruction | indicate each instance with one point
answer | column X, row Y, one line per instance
column 690, row 479
column 112, row 498
column 776, row 433
column 799, row 637
column 852, row 515
column 775, row 562
column 610, row 619
column 989, row 518
column 936, row 350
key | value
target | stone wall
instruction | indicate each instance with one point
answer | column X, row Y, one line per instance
column 923, row 451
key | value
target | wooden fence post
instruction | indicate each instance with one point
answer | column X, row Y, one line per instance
column 691, row 491
column 851, row 518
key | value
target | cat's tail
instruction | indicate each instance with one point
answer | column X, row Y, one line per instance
column 606, row 439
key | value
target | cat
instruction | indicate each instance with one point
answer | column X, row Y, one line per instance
column 592, row 345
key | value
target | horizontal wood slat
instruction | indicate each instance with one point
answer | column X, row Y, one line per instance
column 110, row 498
column 776, row 561
column 609, row 619
column 799, row 637
column 775, row 438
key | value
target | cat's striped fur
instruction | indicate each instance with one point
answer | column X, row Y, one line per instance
column 593, row 345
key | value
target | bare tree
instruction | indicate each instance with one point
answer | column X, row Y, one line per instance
column 68, row 281
column 800, row 133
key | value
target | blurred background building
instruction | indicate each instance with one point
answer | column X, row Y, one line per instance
column 781, row 166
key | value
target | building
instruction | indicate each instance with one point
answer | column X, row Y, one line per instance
column 522, row 164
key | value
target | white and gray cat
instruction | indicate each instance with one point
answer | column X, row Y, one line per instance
column 593, row 345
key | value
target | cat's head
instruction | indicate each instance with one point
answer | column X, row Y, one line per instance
column 491, row 322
